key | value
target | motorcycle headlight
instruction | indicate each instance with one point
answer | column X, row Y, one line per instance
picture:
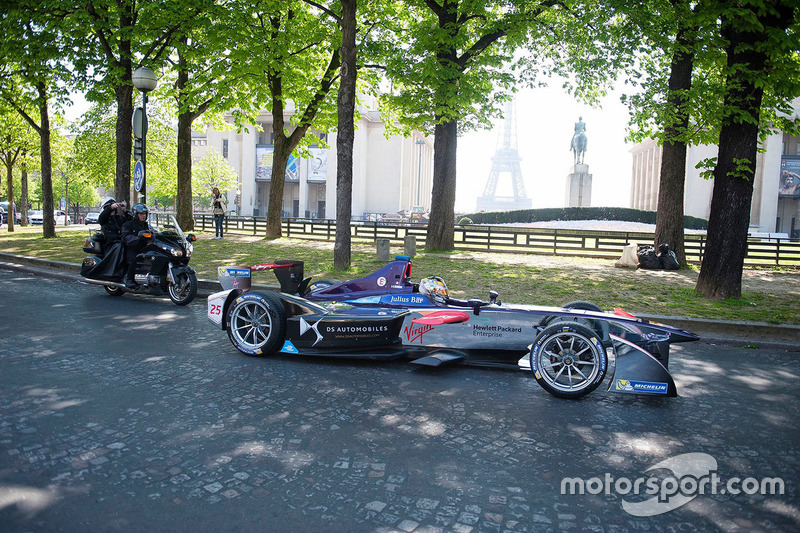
column 173, row 250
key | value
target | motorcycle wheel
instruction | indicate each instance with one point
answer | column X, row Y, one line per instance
column 114, row 291
column 183, row 289
column 256, row 323
column 568, row 360
column 322, row 284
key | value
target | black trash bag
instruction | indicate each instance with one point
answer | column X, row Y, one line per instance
column 667, row 257
column 648, row 258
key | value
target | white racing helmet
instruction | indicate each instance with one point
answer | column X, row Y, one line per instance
column 435, row 288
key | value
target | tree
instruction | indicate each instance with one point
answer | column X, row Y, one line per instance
column 206, row 80
column 677, row 46
column 110, row 39
column 17, row 139
column 462, row 62
column 289, row 55
column 34, row 75
column 95, row 150
column 762, row 74
column 213, row 170
column 346, row 104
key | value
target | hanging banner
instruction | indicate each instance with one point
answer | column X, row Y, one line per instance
column 789, row 186
column 265, row 156
column 318, row 164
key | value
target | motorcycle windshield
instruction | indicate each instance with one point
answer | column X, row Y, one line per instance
column 167, row 225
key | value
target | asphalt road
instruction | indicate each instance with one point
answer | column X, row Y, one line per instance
column 133, row 414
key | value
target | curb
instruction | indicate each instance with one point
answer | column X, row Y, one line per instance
column 725, row 332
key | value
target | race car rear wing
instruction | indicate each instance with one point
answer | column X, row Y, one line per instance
column 289, row 274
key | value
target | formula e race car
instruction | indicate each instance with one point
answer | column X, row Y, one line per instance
column 386, row 316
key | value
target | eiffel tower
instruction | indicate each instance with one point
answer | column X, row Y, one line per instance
column 505, row 160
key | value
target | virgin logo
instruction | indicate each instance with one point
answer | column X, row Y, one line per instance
column 414, row 333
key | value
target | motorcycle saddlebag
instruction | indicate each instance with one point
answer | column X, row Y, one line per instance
column 92, row 246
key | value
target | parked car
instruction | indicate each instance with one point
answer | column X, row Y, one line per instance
column 61, row 218
column 91, row 218
column 391, row 218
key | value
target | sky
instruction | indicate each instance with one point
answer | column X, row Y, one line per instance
column 545, row 120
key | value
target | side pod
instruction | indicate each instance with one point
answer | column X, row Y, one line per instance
column 638, row 372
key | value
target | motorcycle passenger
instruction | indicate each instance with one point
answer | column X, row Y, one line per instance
column 111, row 220
column 134, row 243
column 434, row 288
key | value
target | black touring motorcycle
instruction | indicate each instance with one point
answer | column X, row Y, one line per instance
column 162, row 264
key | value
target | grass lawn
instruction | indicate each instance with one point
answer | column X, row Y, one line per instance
column 769, row 295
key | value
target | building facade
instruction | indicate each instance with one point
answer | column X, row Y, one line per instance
column 775, row 207
column 390, row 174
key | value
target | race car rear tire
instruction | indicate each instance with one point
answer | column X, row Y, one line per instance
column 256, row 323
column 580, row 304
column 322, row 284
column 568, row 360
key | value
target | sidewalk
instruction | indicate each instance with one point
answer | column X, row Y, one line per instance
column 724, row 332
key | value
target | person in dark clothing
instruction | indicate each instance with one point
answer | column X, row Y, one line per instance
column 111, row 219
column 134, row 243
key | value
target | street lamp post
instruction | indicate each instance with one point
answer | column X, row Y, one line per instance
column 145, row 80
column 419, row 143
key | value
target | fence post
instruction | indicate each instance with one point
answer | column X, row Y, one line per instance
column 383, row 249
column 410, row 245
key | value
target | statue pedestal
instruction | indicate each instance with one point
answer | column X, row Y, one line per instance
column 579, row 187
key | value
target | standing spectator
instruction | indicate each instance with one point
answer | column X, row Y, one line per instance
column 218, row 206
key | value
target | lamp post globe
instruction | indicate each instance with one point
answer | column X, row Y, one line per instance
column 145, row 80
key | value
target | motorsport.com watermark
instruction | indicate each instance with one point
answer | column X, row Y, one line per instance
column 693, row 474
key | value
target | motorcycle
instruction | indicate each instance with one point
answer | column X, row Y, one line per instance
column 162, row 265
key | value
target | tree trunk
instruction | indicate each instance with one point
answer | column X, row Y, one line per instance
column 669, row 218
column 48, row 223
column 345, row 137
column 23, row 195
column 183, row 199
column 443, row 200
column 10, row 182
column 122, row 181
column 721, row 271
column 280, row 157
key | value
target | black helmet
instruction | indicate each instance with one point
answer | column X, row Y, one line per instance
column 139, row 208
column 108, row 201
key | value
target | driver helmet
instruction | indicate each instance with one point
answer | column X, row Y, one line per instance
column 139, row 208
column 107, row 201
column 435, row 288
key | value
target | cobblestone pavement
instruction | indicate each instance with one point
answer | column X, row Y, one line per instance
column 133, row 414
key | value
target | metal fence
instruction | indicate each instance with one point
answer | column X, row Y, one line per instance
column 579, row 243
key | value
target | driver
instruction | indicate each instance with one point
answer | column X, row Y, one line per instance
column 434, row 288
column 134, row 243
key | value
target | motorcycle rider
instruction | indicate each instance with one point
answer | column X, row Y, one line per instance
column 134, row 243
column 111, row 220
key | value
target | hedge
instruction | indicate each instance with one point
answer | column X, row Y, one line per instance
column 578, row 213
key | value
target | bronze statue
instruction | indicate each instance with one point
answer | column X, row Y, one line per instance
column 578, row 143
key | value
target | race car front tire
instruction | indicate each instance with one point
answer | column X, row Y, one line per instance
column 256, row 323
column 568, row 360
